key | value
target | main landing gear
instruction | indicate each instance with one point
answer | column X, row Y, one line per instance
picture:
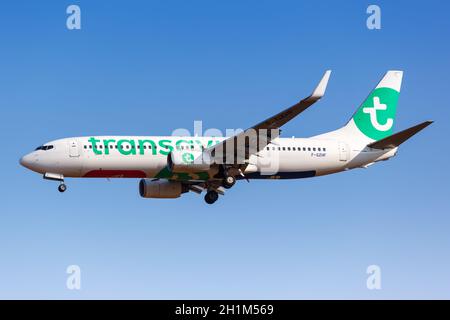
column 228, row 182
column 211, row 196
column 213, row 191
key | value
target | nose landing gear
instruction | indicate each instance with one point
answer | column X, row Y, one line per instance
column 56, row 177
column 62, row 187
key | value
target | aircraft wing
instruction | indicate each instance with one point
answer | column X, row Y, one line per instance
column 260, row 135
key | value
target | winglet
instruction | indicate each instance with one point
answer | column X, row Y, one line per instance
column 319, row 91
column 398, row 138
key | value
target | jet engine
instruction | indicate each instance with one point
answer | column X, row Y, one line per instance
column 188, row 161
column 149, row 188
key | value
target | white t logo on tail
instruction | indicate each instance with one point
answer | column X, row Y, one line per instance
column 373, row 115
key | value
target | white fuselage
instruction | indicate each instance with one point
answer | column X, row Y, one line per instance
column 146, row 157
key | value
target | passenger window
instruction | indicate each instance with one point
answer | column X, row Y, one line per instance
column 309, row 149
column 314, row 149
column 289, row 148
column 324, row 149
column 284, row 148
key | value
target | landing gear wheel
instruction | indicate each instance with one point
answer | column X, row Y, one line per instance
column 62, row 187
column 228, row 182
column 211, row 197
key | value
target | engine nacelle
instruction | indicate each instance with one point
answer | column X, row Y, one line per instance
column 161, row 188
column 188, row 161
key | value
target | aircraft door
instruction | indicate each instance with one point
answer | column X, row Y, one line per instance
column 74, row 152
column 343, row 151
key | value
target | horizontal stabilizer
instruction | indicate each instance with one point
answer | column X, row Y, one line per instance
column 398, row 138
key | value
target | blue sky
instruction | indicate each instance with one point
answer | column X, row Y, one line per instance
column 148, row 67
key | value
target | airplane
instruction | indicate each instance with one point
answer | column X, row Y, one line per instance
column 169, row 166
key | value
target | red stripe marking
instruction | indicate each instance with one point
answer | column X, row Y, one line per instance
column 115, row 174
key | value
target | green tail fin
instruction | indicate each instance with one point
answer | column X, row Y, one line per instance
column 376, row 115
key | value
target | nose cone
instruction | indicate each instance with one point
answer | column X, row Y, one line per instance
column 27, row 161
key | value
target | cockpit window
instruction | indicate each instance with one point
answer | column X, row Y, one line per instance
column 45, row 148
